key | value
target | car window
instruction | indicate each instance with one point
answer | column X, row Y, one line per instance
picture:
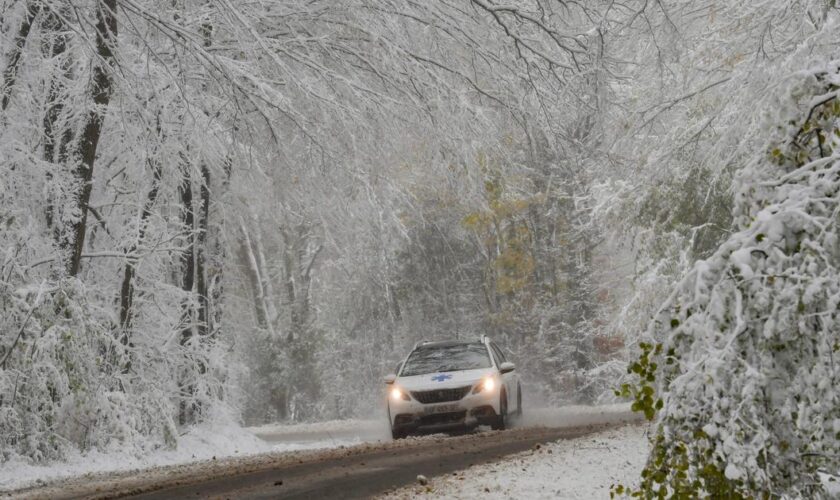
column 498, row 354
column 446, row 358
column 495, row 354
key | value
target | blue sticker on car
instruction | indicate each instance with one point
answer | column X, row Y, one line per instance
column 442, row 377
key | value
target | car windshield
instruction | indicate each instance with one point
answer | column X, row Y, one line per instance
column 446, row 358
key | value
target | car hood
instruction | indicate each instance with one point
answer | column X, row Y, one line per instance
column 444, row 380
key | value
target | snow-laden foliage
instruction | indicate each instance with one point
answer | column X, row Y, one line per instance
column 682, row 124
column 207, row 205
column 747, row 370
column 67, row 388
column 263, row 205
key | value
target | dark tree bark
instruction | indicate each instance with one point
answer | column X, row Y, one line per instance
column 13, row 57
column 201, row 252
column 55, row 47
column 204, row 326
column 127, row 291
column 216, row 290
column 188, row 221
column 187, row 409
column 101, row 91
column 195, row 263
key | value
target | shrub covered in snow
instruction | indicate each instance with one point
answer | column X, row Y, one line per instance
column 747, row 369
column 67, row 382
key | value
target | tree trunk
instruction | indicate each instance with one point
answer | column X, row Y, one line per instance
column 56, row 48
column 201, row 252
column 215, row 289
column 127, row 289
column 13, row 58
column 106, row 39
column 187, row 410
column 267, row 287
column 289, row 266
column 246, row 257
column 256, row 271
column 194, row 263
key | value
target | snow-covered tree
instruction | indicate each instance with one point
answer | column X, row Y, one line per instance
column 745, row 376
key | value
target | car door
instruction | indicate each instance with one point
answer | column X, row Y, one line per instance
column 509, row 380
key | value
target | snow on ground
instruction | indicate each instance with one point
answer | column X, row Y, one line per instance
column 225, row 439
column 328, row 434
column 337, row 426
column 571, row 415
column 831, row 483
column 581, row 468
column 204, row 442
column 353, row 431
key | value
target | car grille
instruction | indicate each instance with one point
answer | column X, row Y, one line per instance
column 443, row 418
column 440, row 395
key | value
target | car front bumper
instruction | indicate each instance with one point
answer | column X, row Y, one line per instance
column 470, row 411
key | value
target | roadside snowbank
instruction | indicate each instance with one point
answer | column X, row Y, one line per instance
column 204, row 442
column 572, row 415
column 323, row 435
column 338, row 426
column 576, row 468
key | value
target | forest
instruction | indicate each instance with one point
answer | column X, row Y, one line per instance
column 250, row 211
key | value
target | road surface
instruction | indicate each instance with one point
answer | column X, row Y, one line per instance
column 345, row 472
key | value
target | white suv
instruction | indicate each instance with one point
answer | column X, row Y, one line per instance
column 443, row 386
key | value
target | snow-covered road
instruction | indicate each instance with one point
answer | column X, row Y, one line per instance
column 256, row 453
column 578, row 468
column 336, row 433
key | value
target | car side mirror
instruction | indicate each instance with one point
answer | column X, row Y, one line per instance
column 390, row 378
column 507, row 367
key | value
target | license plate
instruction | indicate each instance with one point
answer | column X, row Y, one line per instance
column 440, row 409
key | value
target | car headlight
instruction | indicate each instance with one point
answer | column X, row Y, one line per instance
column 397, row 394
column 488, row 384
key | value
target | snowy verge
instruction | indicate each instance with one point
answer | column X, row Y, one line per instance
column 325, row 434
column 320, row 427
column 204, row 442
column 584, row 467
column 574, row 415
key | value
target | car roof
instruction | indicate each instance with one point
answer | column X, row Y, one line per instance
column 446, row 343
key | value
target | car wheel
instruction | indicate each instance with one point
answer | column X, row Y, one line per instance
column 395, row 433
column 501, row 419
